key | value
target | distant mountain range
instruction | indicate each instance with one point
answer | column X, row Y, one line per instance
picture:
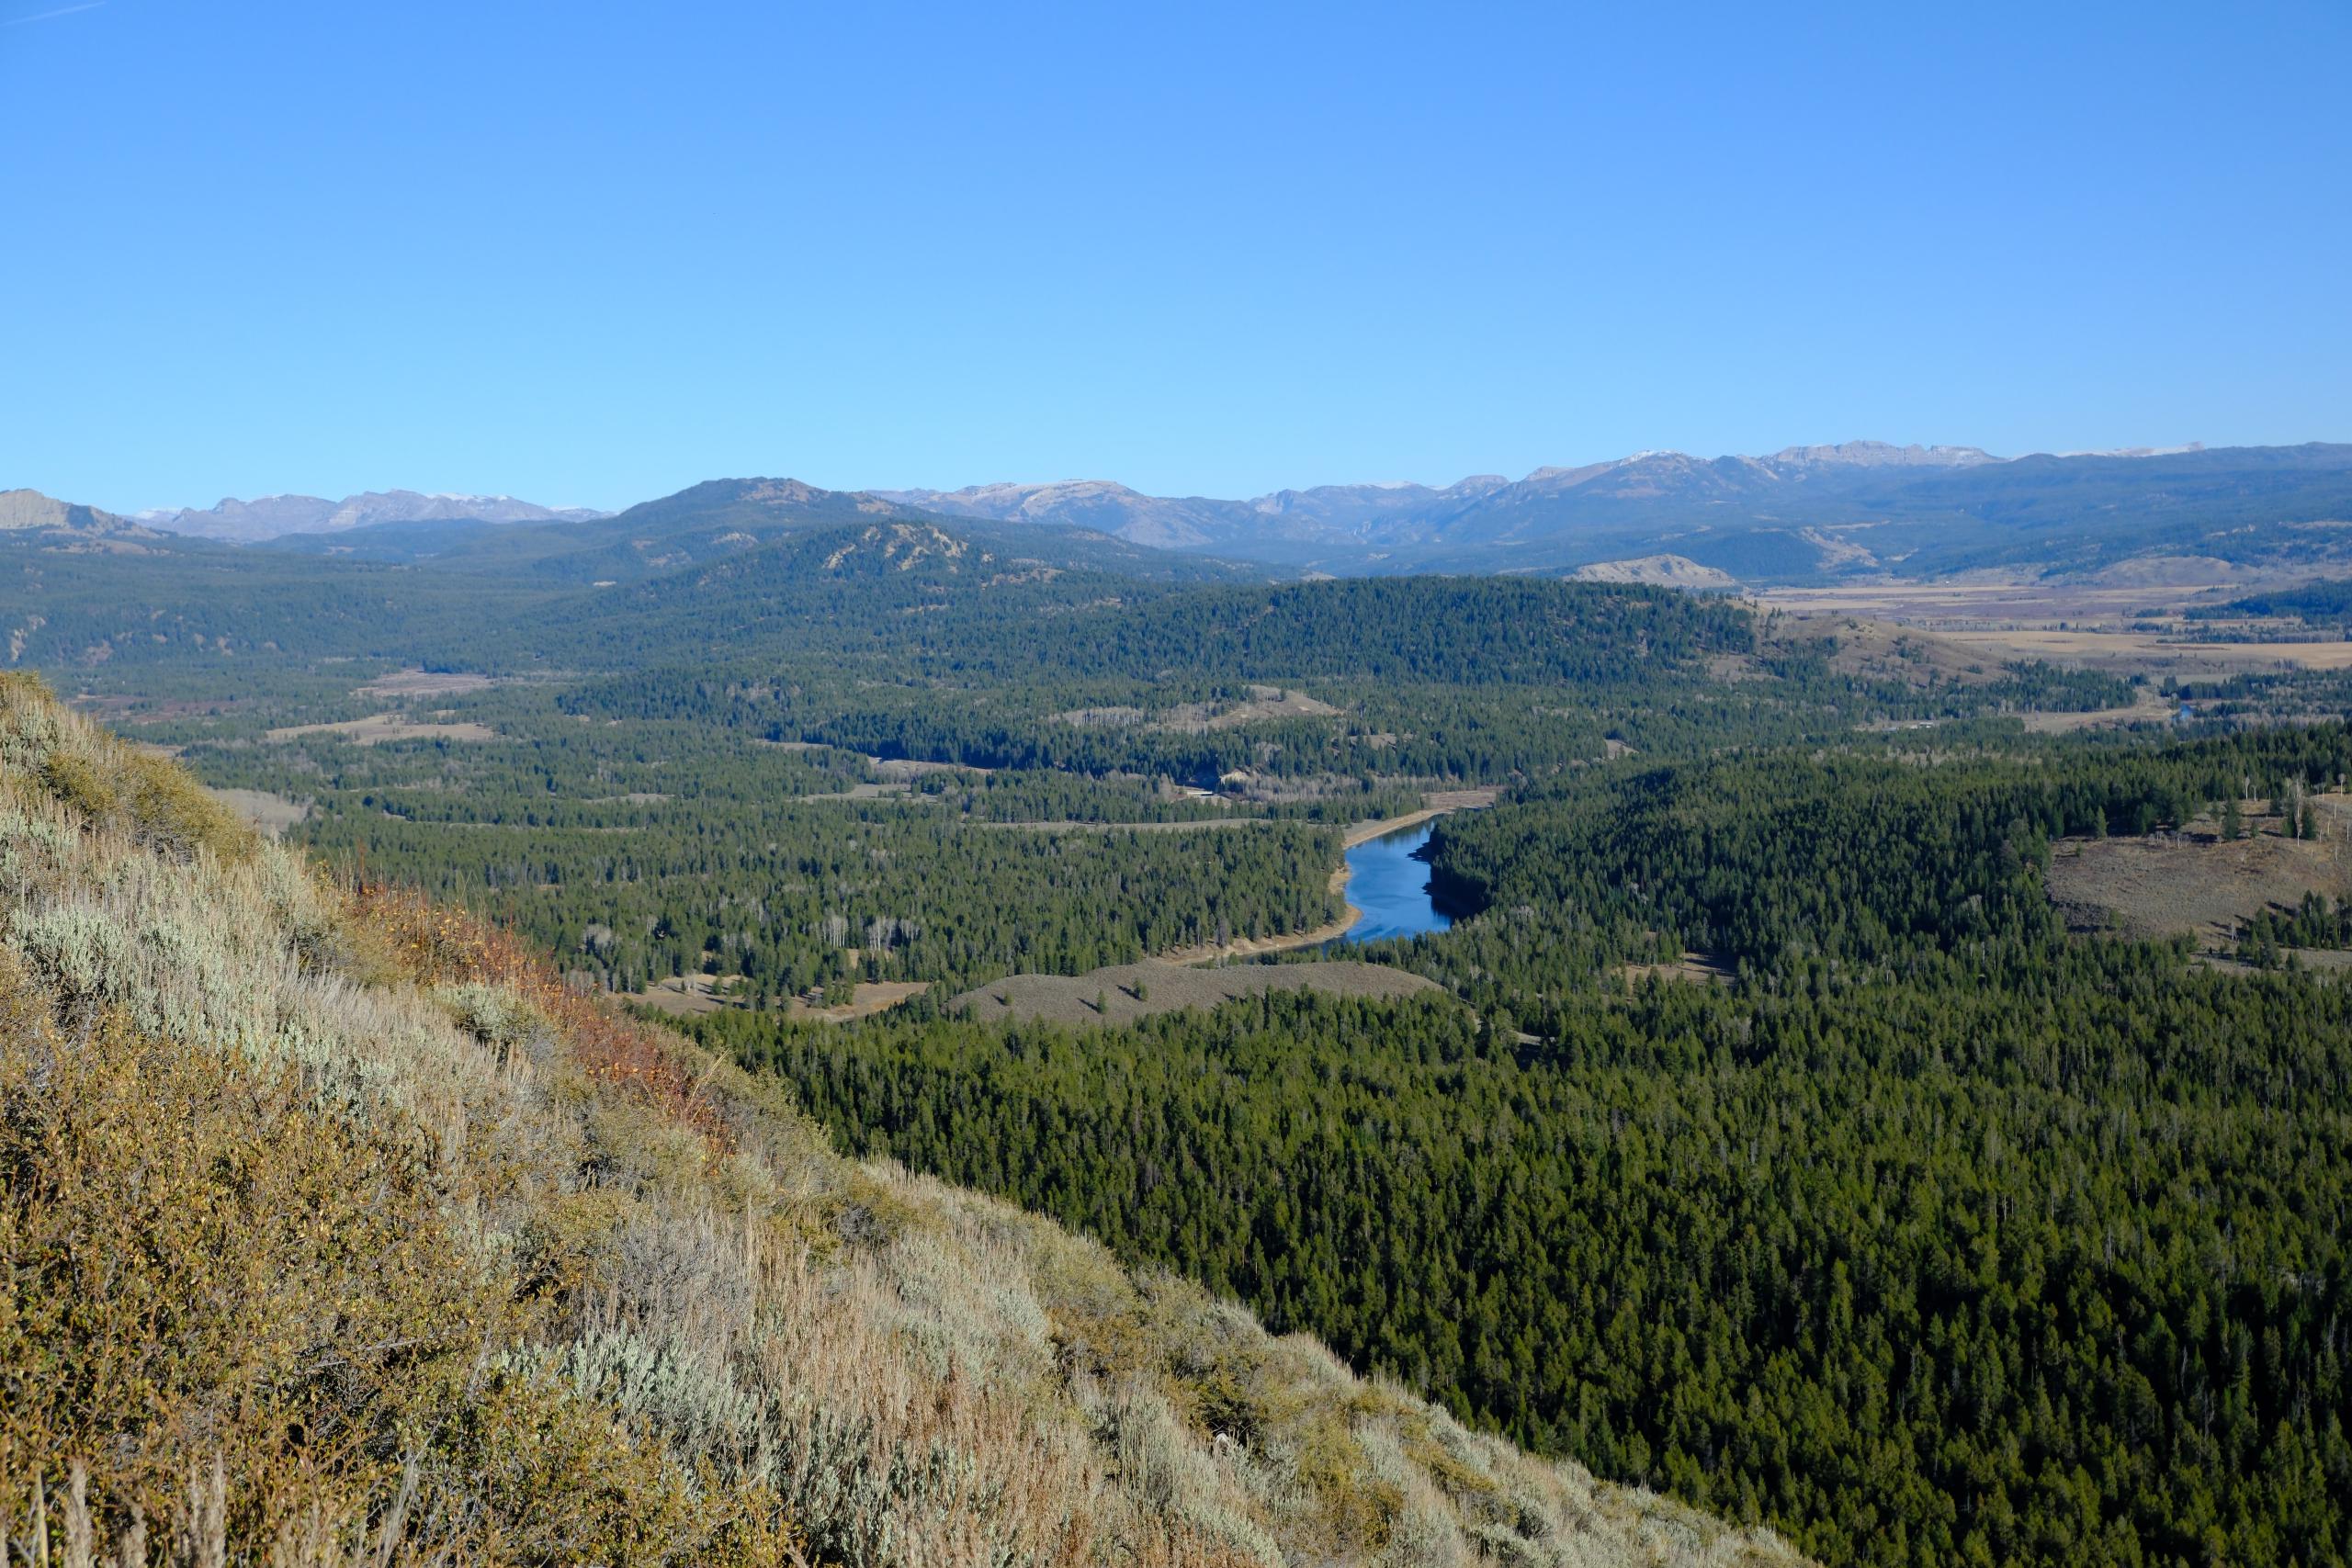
column 1801, row 515
column 1291, row 523
column 274, row 517
column 1804, row 513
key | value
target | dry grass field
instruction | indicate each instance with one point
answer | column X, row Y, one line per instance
column 2197, row 884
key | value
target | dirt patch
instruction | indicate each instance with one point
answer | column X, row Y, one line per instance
column 1111, row 995
column 685, row 996
column 2196, row 882
column 378, row 728
column 273, row 814
column 424, row 683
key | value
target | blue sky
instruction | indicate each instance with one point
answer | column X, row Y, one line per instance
column 592, row 252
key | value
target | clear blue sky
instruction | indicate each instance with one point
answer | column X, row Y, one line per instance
column 591, row 252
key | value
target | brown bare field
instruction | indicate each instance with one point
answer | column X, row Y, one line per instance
column 1067, row 998
column 691, row 995
column 378, row 728
column 424, row 683
column 273, row 814
column 2196, row 882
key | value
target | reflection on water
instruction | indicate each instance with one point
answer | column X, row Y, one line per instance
column 1392, row 887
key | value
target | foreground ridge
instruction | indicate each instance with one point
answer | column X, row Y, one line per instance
column 336, row 1223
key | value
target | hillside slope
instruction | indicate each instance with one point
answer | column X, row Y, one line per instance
column 335, row 1223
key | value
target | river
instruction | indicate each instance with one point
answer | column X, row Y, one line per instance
column 1390, row 885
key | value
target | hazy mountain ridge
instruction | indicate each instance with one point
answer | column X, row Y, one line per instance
column 274, row 517
column 1794, row 516
column 1340, row 526
column 1936, row 509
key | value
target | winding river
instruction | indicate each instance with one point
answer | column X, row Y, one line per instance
column 1390, row 885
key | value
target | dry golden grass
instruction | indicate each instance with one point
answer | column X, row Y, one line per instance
column 334, row 1224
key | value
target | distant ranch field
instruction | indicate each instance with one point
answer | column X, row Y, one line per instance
column 2144, row 651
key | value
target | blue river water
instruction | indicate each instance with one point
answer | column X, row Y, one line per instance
column 1392, row 887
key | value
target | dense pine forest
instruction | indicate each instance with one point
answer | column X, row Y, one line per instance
column 1937, row 1236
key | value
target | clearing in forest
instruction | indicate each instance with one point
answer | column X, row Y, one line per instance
column 2196, row 882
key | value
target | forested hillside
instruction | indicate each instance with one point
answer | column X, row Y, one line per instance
column 1938, row 1235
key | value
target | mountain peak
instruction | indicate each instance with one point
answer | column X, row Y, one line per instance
column 29, row 510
